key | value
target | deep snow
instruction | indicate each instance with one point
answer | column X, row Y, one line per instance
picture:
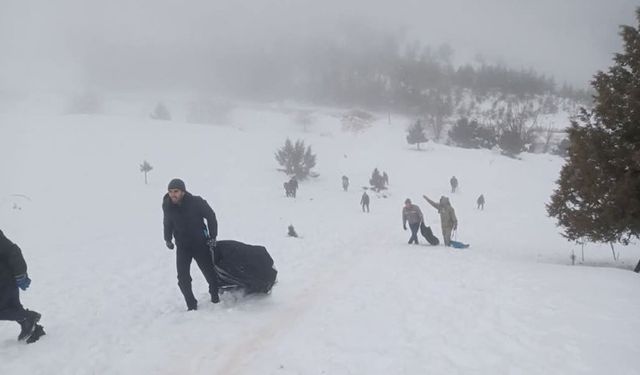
column 352, row 297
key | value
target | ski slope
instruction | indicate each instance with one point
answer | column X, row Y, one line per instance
column 352, row 297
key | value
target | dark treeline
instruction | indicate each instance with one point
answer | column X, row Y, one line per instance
column 379, row 71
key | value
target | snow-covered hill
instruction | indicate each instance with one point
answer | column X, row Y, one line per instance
column 352, row 296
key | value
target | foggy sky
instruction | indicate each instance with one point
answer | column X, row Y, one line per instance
column 48, row 44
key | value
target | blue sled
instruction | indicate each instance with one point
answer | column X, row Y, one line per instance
column 458, row 245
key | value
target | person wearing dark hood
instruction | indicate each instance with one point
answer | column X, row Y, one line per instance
column 184, row 216
column 448, row 220
column 13, row 275
column 411, row 213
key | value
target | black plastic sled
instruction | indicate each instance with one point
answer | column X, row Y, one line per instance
column 246, row 267
column 428, row 234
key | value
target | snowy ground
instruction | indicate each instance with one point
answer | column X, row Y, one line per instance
column 352, row 296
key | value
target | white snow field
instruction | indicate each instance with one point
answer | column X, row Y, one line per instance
column 352, row 296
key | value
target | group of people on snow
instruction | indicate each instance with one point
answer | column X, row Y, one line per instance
column 184, row 217
column 291, row 187
column 379, row 181
column 412, row 215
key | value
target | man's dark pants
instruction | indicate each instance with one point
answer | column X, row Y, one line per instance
column 202, row 256
column 414, row 233
column 10, row 306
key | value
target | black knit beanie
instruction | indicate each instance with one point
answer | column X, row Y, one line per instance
column 177, row 183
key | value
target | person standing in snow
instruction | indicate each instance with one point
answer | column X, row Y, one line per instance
column 293, row 185
column 345, row 183
column 364, row 201
column 454, row 184
column 448, row 220
column 411, row 213
column 184, row 216
column 13, row 275
column 480, row 202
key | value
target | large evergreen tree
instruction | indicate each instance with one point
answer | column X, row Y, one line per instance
column 598, row 194
column 296, row 160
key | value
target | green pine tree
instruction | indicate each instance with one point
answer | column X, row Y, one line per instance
column 598, row 194
column 416, row 135
column 296, row 160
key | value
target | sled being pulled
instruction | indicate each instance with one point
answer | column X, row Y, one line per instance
column 458, row 244
column 428, row 234
column 246, row 267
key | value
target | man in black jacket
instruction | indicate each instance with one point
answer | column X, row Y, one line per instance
column 13, row 275
column 183, row 220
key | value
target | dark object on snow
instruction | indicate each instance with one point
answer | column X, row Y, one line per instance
column 244, row 266
column 458, row 244
column 428, row 235
column 292, row 231
column 637, row 268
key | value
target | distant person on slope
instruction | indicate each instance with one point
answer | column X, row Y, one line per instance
column 480, row 202
column 13, row 275
column 364, row 201
column 448, row 220
column 293, row 185
column 345, row 183
column 454, row 184
column 412, row 214
column 184, row 216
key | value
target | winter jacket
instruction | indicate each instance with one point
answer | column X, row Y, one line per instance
column 448, row 218
column 184, row 221
column 412, row 214
column 12, row 263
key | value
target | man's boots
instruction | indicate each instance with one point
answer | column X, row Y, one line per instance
column 28, row 324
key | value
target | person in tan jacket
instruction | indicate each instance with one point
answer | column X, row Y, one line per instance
column 448, row 220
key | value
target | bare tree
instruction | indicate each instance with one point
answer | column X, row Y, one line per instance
column 145, row 167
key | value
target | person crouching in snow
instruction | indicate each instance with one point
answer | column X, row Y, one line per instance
column 448, row 220
column 13, row 275
column 412, row 214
